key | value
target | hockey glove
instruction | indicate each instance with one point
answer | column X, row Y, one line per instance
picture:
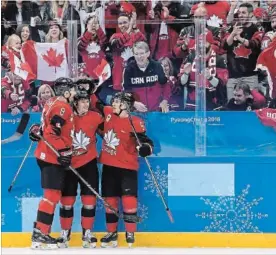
column 144, row 150
column 65, row 157
column 34, row 131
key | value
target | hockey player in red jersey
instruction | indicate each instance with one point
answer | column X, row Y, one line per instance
column 119, row 157
column 56, row 128
column 84, row 160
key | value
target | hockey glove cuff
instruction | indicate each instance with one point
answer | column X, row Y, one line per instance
column 34, row 131
column 145, row 150
column 65, row 157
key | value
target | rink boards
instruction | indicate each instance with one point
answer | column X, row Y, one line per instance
column 231, row 190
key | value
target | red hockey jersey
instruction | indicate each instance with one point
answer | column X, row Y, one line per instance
column 84, row 140
column 119, row 145
column 53, row 107
column 92, row 50
column 215, row 95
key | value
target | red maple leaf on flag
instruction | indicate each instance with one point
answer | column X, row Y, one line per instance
column 53, row 59
column 242, row 52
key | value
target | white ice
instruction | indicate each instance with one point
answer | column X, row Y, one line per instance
column 138, row 251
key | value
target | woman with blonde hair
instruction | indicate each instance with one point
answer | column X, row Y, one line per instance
column 55, row 33
column 44, row 93
column 12, row 46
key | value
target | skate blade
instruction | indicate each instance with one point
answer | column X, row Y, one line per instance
column 112, row 244
column 88, row 245
column 130, row 245
column 63, row 245
column 42, row 246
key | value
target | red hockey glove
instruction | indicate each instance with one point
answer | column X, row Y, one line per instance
column 34, row 131
column 65, row 157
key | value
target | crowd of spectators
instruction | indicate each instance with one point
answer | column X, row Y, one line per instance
column 150, row 47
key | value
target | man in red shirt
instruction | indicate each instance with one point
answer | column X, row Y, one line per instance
column 119, row 157
column 84, row 160
column 56, row 128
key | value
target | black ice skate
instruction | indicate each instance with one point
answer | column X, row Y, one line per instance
column 42, row 241
column 88, row 239
column 130, row 238
column 63, row 240
column 110, row 240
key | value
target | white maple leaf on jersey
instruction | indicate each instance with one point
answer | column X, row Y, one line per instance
column 111, row 140
column 214, row 21
column 80, row 140
column 93, row 48
column 127, row 54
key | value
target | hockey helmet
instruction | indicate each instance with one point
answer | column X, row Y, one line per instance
column 92, row 84
column 81, row 94
column 63, row 85
column 125, row 97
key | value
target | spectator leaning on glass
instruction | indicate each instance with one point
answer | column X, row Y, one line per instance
column 244, row 99
column 243, row 45
column 145, row 77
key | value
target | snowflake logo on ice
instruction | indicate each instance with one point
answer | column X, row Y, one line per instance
column 27, row 194
column 2, row 219
column 232, row 214
column 162, row 179
column 99, row 205
column 111, row 140
column 143, row 211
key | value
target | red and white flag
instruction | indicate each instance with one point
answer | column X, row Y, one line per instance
column 103, row 71
column 21, row 69
column 47, row 60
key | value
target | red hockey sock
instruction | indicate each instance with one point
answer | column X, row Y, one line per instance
column 88, row 211
column 130, row 208
column 66, row 212
column 46, row 209
column 111, row 218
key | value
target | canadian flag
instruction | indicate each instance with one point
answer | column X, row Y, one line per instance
column 47, row 60
column 21, row 69
column 103, row 71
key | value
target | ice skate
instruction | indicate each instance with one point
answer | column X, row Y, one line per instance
column 110, row 240
column 88, row 239
column 42, row 241
column 63, row 240
column 130, row 239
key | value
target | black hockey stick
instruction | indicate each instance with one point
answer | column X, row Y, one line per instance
column 150, row 168
column 20, row 167
column 20, row 129
column 131, row 218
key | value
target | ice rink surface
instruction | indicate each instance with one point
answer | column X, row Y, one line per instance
column 138, row 251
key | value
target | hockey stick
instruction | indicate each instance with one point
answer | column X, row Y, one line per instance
column 131, row 218
column 20, row 167
column 150, row 168
column 20, row 129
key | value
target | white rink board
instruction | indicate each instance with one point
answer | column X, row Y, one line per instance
column 138, row 251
